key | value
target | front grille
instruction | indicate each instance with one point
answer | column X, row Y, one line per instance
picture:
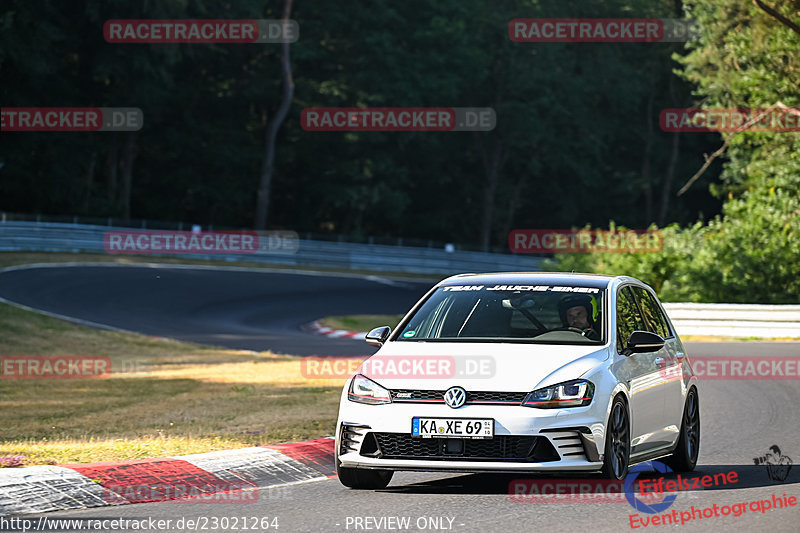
column 510, row 448
column 473, row 397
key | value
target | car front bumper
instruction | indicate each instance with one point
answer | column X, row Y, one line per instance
column 378, row 437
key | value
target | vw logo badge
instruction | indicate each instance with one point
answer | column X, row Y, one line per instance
column 455, row 397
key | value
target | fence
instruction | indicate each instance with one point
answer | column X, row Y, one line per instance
column 733, row 320
column 66, row 237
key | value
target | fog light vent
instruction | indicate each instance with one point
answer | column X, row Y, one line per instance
column 351, row 437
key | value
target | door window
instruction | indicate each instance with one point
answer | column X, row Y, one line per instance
column 629, row 318
column 652, row 313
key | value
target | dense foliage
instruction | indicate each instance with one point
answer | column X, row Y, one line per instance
column 577, row 139
column 751, row 252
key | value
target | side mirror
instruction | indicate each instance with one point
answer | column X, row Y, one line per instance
column 378, row 336
column 643, row 342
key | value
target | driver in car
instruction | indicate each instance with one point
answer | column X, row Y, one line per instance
column 580, row 312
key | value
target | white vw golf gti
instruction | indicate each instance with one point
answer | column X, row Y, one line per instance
column 521, row 372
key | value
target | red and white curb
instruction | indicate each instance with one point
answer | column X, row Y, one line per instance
column 231, row 476
column 319, row 329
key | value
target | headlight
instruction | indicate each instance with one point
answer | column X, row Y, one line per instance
column 363, row 390
column 569, row 394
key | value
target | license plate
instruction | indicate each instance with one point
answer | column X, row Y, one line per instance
column 468, row 428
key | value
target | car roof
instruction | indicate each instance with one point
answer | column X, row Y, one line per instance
column 597, row 281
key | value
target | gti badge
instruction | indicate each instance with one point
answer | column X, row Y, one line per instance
column 455, row 397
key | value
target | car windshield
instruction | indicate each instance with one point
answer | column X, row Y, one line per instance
column 544, row 314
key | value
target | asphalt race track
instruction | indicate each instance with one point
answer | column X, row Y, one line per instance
column 235, row 308
column 740, row 419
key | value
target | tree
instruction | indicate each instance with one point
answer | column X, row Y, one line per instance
column 274, row 124
column 744, row 58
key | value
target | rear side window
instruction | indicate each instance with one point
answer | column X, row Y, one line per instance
column 652, row 313
column 629, row 319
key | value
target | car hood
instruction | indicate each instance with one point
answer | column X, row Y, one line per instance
column 479, row 366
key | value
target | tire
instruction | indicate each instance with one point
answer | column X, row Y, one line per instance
column 618, row 442
column 362, row 478
column 684, row 458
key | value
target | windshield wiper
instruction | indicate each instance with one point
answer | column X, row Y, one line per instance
column 468, row 317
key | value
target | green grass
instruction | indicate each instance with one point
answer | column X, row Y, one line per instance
column 361, row 323
column 24, row 258
column 163, row 397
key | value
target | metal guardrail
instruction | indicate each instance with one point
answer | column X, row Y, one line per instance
column 735, row 320
column 65, row 237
